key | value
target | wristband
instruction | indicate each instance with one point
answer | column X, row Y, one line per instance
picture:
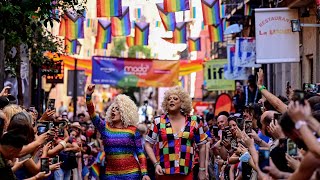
column 262, row 88
column 202, row 169
column 63, row 143
column 299, row 124
column 156, row 164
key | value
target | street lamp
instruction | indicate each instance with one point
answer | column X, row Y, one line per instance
column 296, row 25
column 75, row 87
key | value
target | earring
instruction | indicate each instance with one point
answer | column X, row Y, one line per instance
column 182, row 111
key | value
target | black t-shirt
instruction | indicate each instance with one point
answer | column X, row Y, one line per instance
column 278, row 156
column 5, row 170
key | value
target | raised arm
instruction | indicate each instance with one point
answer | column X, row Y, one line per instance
column 97, row 122
column 272, row 99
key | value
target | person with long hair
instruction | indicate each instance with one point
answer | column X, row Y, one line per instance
column 121, row 138
column 175, row 135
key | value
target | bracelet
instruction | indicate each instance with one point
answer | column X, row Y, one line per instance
column 202, row 169
column 156, row 164
column 262, row 88
column 63, row 143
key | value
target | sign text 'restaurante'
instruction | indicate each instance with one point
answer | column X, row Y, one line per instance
column 275, row 18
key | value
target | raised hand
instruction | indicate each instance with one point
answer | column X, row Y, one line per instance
column 90, row 89
column 260, row 77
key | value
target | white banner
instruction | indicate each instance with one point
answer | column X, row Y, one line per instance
column 245, row 55
column 275, row 41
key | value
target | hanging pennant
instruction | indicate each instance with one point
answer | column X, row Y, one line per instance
column 130, row 41
column 175, row 5
column 101, row 45
column 121, row 26
column 141, row 36
column 168, row 18
column 194, row 44
column 211, row 12
column 216, row 33
column 71, row 46
column 62, row 27
column 74, row 26
column 109, row 8
column 104, row 31
column 180, row 33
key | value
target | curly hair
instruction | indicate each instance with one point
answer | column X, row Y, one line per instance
column 128, row 110
column 186, row 105
column 10, row 111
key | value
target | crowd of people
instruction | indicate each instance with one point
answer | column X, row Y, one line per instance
column 267, row 137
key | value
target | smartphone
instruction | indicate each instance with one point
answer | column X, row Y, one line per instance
column 61, row 130
column 299, row 96
column 51, row 104
column 42, row 128
column 239, row 121
column 264, row 154
column 308, row 87
column 248, row 126
column 8, row 90
column 234, row 143
column 276, row 116
column 45, row 165
column 25, row 157
column 292, row 148
column 55, row 160
column 225, row 133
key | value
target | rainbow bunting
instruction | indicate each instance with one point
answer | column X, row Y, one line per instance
column 109, row 8
column 211, row 12
column 216, row 33
column 121, row 26
column 247, row 9
column 71, row 46
column 62, row 27
column 104, row 31
column 168, row 18
column 180, row 33
column 193, row 13
column 141, row 35
column 175, row 5
column 194, row 44
column 130, row 41
column 74, row 26
column 137, row 13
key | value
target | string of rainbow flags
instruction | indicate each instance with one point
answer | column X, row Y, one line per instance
column 117, row 22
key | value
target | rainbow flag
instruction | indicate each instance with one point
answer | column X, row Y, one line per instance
column 95, row 170
column 222, row 11
column 247, row 9
column 109, row 8
column 62, row 27
column 101, row 157
column 180, row 33
column 193, row 13
column 194, row 44
column 71, row 46
column 137, row 13
column 158, row 23
column 74, row 26
column 121, row 26
column 130, row 41
column 211, row 12
column 104, row 31
column 141, row 35
column 175, row 5
column 100, row 45
column 225, row 24
column 216, row 33
column 168, row 18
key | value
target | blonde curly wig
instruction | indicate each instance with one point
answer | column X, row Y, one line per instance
column 128, row 110
column 10, row 111
column 186, row 105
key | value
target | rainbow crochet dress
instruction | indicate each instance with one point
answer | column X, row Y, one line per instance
column 124, row 158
